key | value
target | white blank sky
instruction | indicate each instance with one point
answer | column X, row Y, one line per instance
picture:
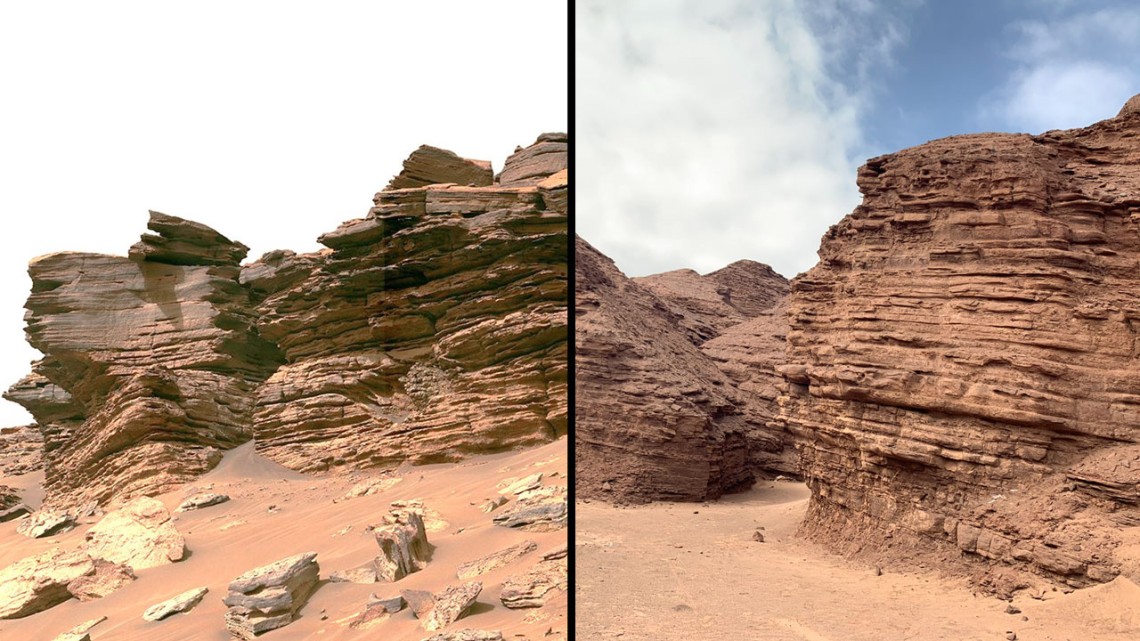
column 270, row 121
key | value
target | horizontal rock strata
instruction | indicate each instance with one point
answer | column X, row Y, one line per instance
column 269, row 597
column 434, row 328
column 961, row 365
column 149, row 362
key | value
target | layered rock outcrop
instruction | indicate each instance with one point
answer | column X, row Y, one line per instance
column 434, row 328
column 961, row 364
column 654, row 419
column 149, row 362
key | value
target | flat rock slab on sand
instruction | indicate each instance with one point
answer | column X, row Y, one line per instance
column 181, row 603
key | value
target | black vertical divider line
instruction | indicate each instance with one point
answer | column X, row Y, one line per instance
column 570, row 270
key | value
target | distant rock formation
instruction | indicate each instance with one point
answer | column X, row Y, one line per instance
column 655, row 417
column 432, row 329
column 962, row 363
column 737, row 317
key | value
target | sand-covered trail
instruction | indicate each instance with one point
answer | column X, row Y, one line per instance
column 311, row 514
column 673, row 571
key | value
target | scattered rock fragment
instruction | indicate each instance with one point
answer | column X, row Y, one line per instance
column 493, row 504
column 758, row 536
column 524, row 484
column 531, row 589
column 372, row 486
column 181, row 603
column 268, row 597
column 139, row 535
column 444, row 608
column 201, row 500
column 495, row 560
column 14, row 512
column 377, row 611
column 46, row 522
column 467, row 635
column 540, row 510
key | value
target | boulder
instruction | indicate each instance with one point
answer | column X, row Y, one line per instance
column 403, row 545
column 40, row 582
column 269, row 597
column 139, row 535
column 377, row 611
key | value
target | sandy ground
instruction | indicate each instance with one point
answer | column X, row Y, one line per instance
column 692, row 572
column 226, row 540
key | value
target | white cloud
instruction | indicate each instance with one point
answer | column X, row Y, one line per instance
column 1064, row 95
column 272, row 122
column 1072, row 69
column 714, row 131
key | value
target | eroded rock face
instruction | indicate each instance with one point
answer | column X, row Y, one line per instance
column 961, row 365
column 150, row 362
column 434, row 328
column 21, row 450
column 655, row 418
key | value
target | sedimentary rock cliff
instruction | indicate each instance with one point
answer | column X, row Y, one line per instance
column 431, row 329
column 149, row 362
column 962, row 365
column 654, row 418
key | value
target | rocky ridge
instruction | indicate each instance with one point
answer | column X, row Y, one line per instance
column 432, row 329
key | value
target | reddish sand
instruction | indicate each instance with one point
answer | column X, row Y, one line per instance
column 684, row 571
column 226, row 540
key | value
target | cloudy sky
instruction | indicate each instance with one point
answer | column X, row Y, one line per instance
column 270, row 121
column 714, row 130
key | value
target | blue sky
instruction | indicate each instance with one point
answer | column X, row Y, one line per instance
column 725, row 129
